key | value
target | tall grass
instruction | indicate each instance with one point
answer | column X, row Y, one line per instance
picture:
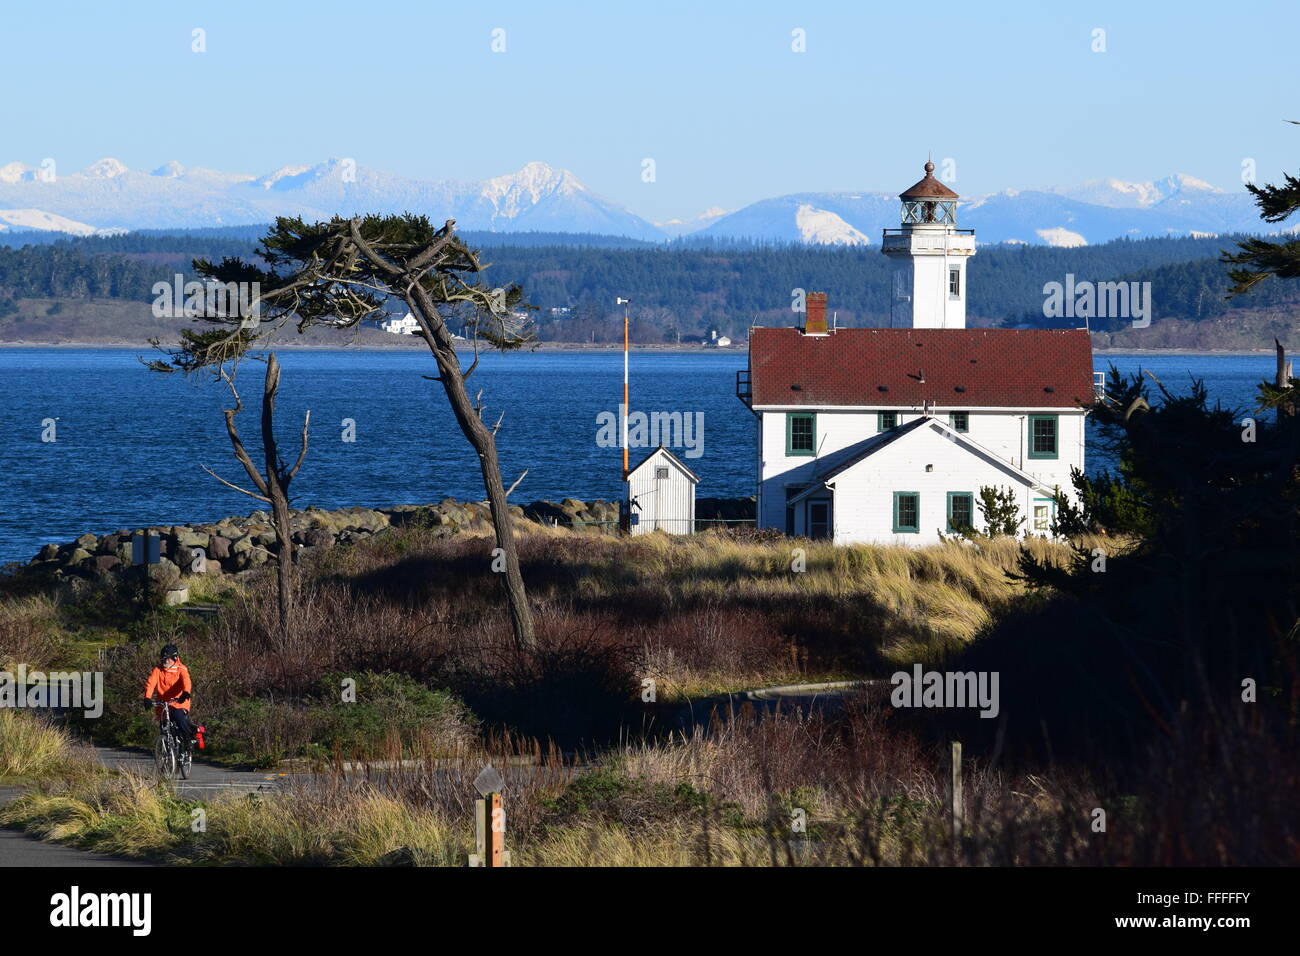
column 32, row 746
column 777, row 789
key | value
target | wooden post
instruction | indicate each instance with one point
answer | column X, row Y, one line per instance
column 489, row 833
column 958, row 813
column 495, row 823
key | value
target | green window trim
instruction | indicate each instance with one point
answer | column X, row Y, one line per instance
column 914, row 528
column 790, row 419
column 886, row 421
column 1030, row 439
column 1051, row 514
column 960, row 421
column 970, row 498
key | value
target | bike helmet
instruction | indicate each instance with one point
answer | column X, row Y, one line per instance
column 168, row 652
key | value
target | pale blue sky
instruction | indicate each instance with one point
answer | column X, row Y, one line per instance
column 711, row 91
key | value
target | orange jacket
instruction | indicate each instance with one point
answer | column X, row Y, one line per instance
column 169, row 682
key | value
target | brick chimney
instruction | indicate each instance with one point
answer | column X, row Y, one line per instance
column 815, row 320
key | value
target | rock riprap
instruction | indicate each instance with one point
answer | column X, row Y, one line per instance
column 236, row 545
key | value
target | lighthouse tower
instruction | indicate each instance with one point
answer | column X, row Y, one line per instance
column 929, row 256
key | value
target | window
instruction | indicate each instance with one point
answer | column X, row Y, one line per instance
column 907, row 512
column 961, row 510
column 661, row 473
column 1043, row 438
column 1044, row 509
column 954, row 283
column 801, row 433
column 960, row 421
column 887, row 422
column 819, row 519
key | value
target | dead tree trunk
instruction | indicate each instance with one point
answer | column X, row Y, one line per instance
column 273, row 488
column 1283, row 380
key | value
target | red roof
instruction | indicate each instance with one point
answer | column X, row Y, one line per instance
column 978, row 368
column 928, row 187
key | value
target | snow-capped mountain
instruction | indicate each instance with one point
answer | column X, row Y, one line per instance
column 682, row 227
column 108, row 195
column 1089, row 213
column 25, row 220
column 1117, row 194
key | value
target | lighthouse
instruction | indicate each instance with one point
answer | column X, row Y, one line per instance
column 929, row 256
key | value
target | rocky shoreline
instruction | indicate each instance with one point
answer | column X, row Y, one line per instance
column 239, row 545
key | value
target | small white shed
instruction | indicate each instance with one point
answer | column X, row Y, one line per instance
column 661, row 494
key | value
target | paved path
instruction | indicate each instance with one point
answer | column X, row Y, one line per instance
column 827, row 697
column 206, row 781
column 19, row 849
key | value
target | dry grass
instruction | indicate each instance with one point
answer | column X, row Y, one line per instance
column 866, row 793
column 28, row 632
column 31, row 746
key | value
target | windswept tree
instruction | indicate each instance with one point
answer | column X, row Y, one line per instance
column 1257, row 260
column 340, row 273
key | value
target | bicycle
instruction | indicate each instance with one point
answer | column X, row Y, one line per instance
column 172, row 755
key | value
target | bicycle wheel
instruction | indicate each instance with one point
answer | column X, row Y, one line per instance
column 184, row 762
column 164, row 753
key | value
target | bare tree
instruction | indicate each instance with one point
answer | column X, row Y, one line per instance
column 338, row 274
column 273, row 486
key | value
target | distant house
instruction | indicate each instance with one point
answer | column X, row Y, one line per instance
column 887, row 435
column 406, row 325
column 722, row 341
column 661, row 494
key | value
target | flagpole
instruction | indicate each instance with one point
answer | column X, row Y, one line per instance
column 627, row 408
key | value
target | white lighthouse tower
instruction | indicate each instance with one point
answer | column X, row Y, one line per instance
column 929, row 255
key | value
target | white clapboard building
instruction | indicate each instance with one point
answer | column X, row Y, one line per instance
column 887, row 435
column 661, row 494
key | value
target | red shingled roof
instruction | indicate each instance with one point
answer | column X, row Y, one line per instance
column 928, row 187
column 976, row 368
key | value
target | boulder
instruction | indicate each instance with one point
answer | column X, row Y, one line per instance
column 105, row 564
column 48, row 553
column 175, row 596
column 187, row 539
column 72, row 590
column 219, row 547
column 164, row 576
column 87, row 542
column 318, row 538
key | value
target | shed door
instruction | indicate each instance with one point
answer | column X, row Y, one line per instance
column 819, row 519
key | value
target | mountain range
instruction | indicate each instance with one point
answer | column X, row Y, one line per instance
column 107, row 197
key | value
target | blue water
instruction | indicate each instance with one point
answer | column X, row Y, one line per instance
column 130, row 442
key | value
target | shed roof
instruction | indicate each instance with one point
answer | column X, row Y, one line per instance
column 695, row 479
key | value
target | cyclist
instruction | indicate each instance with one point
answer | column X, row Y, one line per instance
column 170, row 680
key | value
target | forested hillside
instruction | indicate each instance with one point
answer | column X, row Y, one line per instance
column 680, row 292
